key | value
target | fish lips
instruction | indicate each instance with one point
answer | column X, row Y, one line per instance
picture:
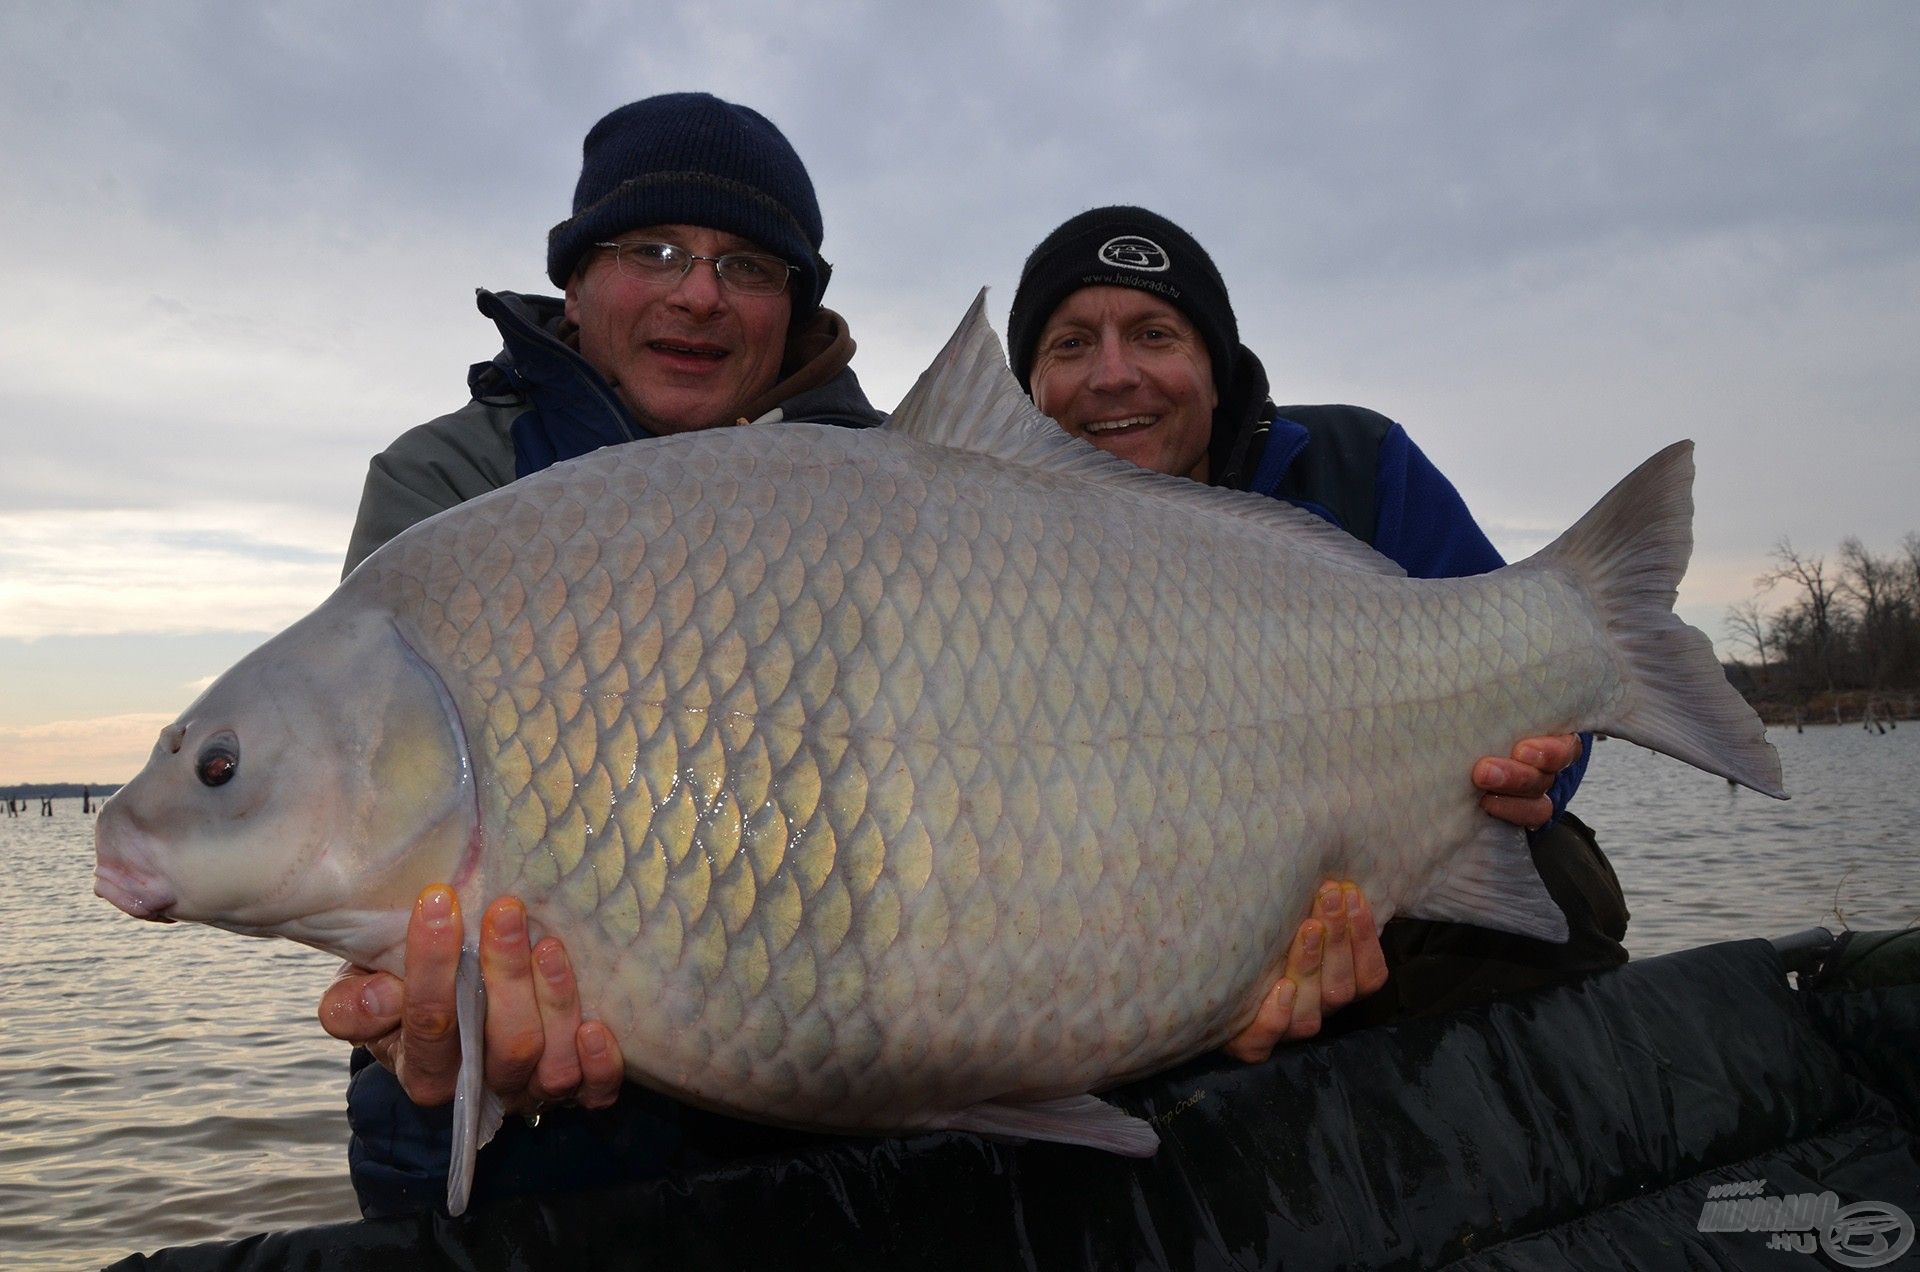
column 122, row 872
column 137, row 894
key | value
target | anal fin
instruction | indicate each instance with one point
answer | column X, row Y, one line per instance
column 1073, row 1119
column 1491, row 882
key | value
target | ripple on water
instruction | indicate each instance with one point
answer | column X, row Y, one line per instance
column 63, row 1078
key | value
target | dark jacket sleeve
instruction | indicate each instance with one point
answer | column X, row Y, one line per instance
column 1421, row 520
column 388, row 505
column 1423, row 523
column 429, row 469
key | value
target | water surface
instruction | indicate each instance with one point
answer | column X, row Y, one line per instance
column 166, row 1084
column 160, row 1084
column 1704, row 861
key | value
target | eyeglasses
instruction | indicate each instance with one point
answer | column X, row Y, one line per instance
column 749, row 273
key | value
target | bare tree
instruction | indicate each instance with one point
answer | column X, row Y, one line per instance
column 1910, row 568
column 1906, row 613
column 1817, row 600
column 1747, row 628
column 1873, row 584
column 1855, row 627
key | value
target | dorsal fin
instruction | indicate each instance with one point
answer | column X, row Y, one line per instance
column 967, row 399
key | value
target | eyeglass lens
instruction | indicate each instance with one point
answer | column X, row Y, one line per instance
column 754, row 273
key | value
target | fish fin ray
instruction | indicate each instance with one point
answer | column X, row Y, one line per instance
column 1628, row 553
column 967, row 399
column 477, row 1112
column 1076, row 1119
column 1491, row 882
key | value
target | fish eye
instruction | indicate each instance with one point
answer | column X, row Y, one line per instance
column 218, row 761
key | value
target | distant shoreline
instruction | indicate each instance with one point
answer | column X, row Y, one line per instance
column 1849, row 706
column 59, row 790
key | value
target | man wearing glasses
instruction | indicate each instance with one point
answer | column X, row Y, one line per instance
column 693, row 275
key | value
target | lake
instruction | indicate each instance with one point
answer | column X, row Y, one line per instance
column 166, row 1084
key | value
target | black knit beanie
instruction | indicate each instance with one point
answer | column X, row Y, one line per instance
column 1123, row 247
column 692, row 159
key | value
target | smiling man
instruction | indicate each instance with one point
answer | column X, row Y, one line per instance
column 1121, row 330
column 692, row 275
column 1129, row 372
column 682, row 347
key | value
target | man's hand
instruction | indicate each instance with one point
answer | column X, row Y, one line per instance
column 539, row 1051
column 1335, row 959
column 1516, row 787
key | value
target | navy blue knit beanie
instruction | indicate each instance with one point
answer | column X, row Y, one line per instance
column 692, row 159
column 1123, row 247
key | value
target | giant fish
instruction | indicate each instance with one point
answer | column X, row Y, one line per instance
column 929, row 777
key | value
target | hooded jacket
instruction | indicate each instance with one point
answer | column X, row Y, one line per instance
column 539, row 402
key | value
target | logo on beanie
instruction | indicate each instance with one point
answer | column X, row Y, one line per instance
column 1130, row 251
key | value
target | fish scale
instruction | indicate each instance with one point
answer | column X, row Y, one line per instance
column 926, row 777
column 900, row 685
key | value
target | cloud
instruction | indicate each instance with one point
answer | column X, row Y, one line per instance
column 105, row 749
column 93, row 573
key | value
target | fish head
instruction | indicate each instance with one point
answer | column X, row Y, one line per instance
column 310, row 792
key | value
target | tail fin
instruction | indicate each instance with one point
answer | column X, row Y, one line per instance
column 1628, row 554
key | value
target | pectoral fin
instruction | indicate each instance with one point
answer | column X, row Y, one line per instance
column 1073, row 1119
column 476, row 1111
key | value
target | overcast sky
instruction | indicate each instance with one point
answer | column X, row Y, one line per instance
column 241, row 243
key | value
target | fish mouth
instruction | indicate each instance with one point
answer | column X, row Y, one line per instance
column 142, row 898
column 1125, row 424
